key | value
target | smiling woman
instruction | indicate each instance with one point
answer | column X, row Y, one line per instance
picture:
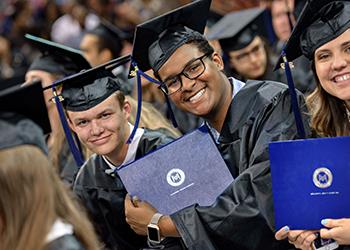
column 330, row 102
column 322, row 34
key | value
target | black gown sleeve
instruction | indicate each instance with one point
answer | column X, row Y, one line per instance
column 242, row 216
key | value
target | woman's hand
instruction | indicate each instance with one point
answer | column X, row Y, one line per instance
column 301, row 239
column 339, row 230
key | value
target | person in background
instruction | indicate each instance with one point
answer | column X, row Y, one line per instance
column 243, row 119
column 282, row 22
column 68, row 29
column 322, row 34
column 107, row 42
column 36, row 209
column 55, row 62
column 242, row 41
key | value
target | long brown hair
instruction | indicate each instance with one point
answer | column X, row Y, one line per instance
column 31, row 198
column 328, row 113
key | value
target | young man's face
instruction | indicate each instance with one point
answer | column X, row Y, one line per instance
column 103, row 129
column 204, row 95
column 89, row 47
column 251, row 61
column 280, row 21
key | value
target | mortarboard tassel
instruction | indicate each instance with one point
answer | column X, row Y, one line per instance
column 77, row 154
column 294, row 101
column 139, row 73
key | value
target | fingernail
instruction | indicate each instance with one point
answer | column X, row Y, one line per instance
column 324, row 222
column 286, row 228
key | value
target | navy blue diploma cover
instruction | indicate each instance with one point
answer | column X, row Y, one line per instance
column 310, row 181
column 186, row 171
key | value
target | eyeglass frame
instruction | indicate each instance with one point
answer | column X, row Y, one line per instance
column 165, row 89
column 244, row 57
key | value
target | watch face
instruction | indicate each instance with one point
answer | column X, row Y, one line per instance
column 153, row 233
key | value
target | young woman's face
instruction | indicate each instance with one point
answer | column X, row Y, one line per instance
column 332, row 62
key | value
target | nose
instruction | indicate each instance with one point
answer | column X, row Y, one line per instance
column 187, row 84
column 339, row 62
column 96, row 128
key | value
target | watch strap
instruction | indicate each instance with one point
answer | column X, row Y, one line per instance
column 155, row 218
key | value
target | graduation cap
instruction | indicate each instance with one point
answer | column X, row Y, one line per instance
column 106, row 28
column 111, row 35
column 84, row 90
column 298, row 7
column 56, row 58
column 18, row 130
column 320, row 22
column 238, row 29
column 23, row 116
column 157, row 39
column 27, row 101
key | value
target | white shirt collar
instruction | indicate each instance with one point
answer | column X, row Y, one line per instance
column 59, row 229
column 131, row 154
column 237, row 85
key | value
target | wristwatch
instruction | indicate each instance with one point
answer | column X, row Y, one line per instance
column 153, row 232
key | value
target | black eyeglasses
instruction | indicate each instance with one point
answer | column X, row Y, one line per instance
column 192, row 71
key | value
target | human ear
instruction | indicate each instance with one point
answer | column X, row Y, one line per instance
column 217, row 60
column 126, row 109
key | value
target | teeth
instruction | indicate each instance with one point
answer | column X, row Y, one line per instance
column 342, row 78
column 197, row 96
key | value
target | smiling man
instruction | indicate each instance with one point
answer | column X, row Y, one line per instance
column 98, row 113
column 243, row 119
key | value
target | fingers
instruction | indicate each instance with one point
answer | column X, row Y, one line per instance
column 131, row 201
column 301, row 239
column 135, row 201
column 282, row 233
column 293, row 235
column 326, row 233
column 307, row 239
column 330, row 223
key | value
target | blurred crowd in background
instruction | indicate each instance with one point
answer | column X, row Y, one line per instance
column 64, row 21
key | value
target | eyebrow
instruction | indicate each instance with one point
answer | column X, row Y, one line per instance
column 344, row 44
column 108, row 109
column 186, row 65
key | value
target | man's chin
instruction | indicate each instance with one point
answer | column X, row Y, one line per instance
column 101, row 150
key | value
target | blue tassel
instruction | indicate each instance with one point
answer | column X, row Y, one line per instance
column 139, row 73
column 294, row 100
column 72, row 146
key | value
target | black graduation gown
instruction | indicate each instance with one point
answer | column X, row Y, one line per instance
column 242, row 216
column 68, row 167
column 103, row 196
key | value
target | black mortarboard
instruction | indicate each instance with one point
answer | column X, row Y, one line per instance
column 237, row 30
column 82, row 91
column 320, row 22
column 157, row 39
column 86, row 89
column 27, row 101
column 298, row 7
column 56, row 58
column 112, row 36
column 109, row 30
column 18, row 130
